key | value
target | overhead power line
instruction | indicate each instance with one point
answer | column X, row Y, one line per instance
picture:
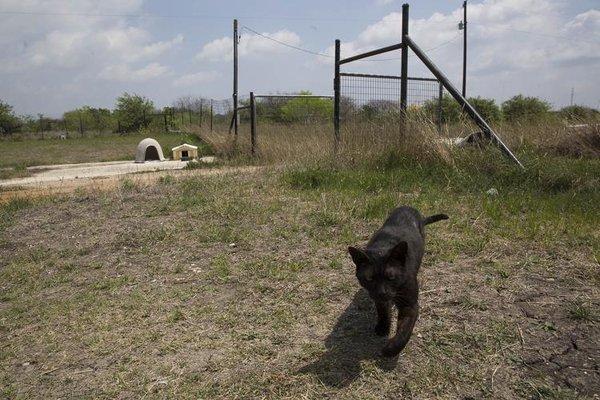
column 287, row 44
column 316, row 53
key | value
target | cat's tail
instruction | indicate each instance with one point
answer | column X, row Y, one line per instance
column 434, row 218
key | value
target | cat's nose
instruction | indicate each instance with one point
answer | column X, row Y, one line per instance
column 381, row 292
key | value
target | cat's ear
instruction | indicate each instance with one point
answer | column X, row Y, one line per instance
column 359, row 257
column 397, row 256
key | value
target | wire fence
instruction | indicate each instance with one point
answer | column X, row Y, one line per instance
column 293, row 109
column 367, row 97
column 282, row 118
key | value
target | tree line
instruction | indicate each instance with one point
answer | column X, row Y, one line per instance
column 133, row 113
column 518, row 109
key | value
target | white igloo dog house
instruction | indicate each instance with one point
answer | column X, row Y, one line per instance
column 149, row 150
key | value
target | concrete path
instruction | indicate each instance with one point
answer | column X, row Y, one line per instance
column 64, row 172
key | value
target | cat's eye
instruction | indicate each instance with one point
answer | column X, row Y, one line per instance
column 390, row 276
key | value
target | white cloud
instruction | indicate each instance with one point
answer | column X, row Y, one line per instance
column 516, row 45
column 196, row 78
column 585, row 23
column 217, row 50
column 93, row 45
column 250, row 44
column 60, row 48
column 71, row 57
column 73, row 37
column 133, row 44
column 124, row 73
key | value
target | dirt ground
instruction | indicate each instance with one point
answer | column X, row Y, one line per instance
column 238, row 286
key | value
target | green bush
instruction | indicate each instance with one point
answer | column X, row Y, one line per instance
column 9, row 122
column 380, row 109
column 96, row 119
column 132, row 111
column 451, row 110
column 487, row 108
column 307, row 110
column 525, row 109
column 579, row 113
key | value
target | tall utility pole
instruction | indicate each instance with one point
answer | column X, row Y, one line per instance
column 235, row 76
column 572, row 96
column 464, row 27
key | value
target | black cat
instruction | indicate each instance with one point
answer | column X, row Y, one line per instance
column 388, row 268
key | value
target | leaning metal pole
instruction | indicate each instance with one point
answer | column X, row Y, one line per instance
column 468, row 108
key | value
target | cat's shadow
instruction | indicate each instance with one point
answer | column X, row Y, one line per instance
column 351, row 342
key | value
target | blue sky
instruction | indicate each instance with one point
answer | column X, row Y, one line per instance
column 56, row 55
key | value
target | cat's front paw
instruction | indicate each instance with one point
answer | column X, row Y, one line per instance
column 390, row 350
column 382, row 329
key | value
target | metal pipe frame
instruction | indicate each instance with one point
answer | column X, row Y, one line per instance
column 467, row 107
column 410, row 78
column 337, row 97
column 404, row 67
column 235, row 78
column 291, row 96
column 371, row 53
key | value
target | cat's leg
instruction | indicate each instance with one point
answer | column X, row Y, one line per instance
column 407, row 316
column 383, row 318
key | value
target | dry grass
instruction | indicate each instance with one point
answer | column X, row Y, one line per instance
column 314, row 144
column 311, row 144
column 238, row 286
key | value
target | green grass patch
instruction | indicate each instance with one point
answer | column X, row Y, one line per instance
column 32, row 152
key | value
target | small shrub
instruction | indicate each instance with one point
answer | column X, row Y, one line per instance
column 451, row 110
column 487, row 108
column 525, row 109
column 8, row 120
column 577, row 113
column 133, row 111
